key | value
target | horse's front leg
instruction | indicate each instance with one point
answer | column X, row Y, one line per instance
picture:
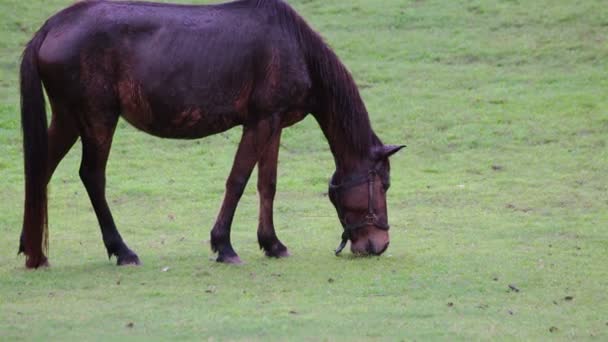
column 267, row 185
column 253, row 144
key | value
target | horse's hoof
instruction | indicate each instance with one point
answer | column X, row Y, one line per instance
column 283, row 254
column 130, row 259
column 43, row 265
column 277, row 250
column 278, row 253
column 233, row 259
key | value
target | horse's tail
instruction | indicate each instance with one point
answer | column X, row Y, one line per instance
column 34, row 239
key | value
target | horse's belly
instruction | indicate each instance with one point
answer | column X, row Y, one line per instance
column 191, row 123
column 172, row 119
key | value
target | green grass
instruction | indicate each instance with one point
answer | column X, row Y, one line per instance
column 504, row 108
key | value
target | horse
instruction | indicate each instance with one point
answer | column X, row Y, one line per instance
column 187, row 72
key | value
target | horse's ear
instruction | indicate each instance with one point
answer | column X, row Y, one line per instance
column 385, row 151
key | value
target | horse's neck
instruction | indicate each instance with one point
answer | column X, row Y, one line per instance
column 350, row 145
column 339, row 108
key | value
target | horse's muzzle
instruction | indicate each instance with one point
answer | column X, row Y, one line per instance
column 372, row 243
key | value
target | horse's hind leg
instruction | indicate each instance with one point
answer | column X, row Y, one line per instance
column 96, row 143
column 267, row 182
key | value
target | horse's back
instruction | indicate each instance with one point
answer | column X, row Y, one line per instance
column 103, row 24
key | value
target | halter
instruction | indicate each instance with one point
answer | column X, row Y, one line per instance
column 371, row 219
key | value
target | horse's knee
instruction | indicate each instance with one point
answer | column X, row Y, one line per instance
column 236, row 185
column 90, row 176
column 267, row 188
column 86, row 175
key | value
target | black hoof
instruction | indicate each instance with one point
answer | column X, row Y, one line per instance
column 227, row 255
column 273, row 247
column 224, row 250
column 128, row 258
column 232, row 259
column 277, row 250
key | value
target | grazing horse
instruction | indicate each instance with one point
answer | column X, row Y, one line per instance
column 186, row 72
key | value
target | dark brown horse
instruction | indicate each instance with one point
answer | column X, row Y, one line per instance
column 186, row 72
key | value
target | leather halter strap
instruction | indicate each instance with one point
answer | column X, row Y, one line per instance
column 371, row 219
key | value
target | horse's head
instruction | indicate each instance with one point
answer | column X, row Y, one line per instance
column 360, row 200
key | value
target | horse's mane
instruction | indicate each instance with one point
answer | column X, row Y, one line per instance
column 339, row 95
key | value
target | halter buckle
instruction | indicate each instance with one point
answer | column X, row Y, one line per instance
column 371, row 219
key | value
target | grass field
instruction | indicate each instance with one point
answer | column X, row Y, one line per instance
column 499, row 205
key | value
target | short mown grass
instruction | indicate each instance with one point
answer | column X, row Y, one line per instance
column 499, row 205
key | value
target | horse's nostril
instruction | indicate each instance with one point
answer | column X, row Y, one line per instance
column 383, row 249
column 371, row 249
